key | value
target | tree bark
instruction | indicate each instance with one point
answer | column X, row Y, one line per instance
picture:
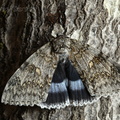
column 27, row 25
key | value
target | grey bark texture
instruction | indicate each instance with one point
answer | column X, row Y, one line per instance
column 27, row 25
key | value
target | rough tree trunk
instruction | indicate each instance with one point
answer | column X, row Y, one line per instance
column 26, row 25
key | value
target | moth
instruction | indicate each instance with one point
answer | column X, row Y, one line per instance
column 61, row 73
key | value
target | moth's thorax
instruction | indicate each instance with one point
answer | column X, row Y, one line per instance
column 63, row 56
column 61, row 47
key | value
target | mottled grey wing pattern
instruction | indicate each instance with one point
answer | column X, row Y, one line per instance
column 30, row 84
column 99, row 75
column 49, row 82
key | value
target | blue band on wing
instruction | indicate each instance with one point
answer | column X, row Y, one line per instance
column 58, row 93
column 67, row 85
column 58, row 87
column 76, row 85
column 76, row 89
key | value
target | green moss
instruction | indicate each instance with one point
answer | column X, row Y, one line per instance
column 4, row 12
column 1, row 46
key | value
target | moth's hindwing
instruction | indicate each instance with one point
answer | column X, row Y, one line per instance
column 30, row 84
column 58, row 96
column 78, row 94
column 100, row 76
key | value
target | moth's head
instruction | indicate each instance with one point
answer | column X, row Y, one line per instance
column 61, row 45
